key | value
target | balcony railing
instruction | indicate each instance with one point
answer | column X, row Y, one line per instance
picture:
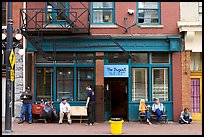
column 66, row 20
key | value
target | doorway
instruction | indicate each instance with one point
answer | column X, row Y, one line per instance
column 116, row 97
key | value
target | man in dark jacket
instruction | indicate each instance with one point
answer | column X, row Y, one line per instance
column 26, row 97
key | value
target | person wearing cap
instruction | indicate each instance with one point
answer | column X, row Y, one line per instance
column 26, row 98
column 144, row 110
column 157, row 109
column 65, row 109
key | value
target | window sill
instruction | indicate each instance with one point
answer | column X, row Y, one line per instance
column 103, row 26
column 150, row 26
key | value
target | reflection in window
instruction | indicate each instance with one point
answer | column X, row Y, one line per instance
column 84, row 76
column 160, row 83
column 103, row 12
column 119, row 57
column 80, row 58
column 139, row 84
column 148, row 12
column 140, row 58
column 65, row 83
column 44, row 85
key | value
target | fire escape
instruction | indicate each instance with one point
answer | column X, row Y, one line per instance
column 37, row 23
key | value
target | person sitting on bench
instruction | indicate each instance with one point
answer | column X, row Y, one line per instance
column 157, row 109
column 144, row 110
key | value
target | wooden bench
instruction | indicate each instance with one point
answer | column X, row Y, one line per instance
column 79, row 111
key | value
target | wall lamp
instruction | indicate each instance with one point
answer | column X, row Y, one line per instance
column 16, row 41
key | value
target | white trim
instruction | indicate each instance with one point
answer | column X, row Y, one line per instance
column 56, row 26
column 150, row 26
column 103, row 26
column 4, row 27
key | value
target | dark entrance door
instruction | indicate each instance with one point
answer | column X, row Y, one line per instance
column 116, row 99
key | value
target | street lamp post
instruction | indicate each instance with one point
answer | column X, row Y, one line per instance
column 9, row 47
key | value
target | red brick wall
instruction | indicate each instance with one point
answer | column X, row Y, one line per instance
column 186, row 87
column 177, row 85
column 169, row 17
column 16, row 6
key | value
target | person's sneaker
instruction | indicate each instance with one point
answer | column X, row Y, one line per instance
column 87, row 124
column 30, row 122
column 60, row 123
column 21, row 121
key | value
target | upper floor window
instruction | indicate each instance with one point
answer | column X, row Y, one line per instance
column 3, row 13
column 103, row 12
column 148, row 13
column 57, row 11
column 200, row 7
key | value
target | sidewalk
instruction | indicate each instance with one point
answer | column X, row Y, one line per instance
column 129, row 128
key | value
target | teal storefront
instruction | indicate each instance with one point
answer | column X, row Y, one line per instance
column 139, row 67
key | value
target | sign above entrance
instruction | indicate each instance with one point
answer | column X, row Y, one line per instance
column 113, row 71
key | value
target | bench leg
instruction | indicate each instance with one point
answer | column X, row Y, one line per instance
column 81, row 119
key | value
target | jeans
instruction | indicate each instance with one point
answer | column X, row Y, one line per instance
column 26, row 107
column 147, row 114
column 182, row 122
column 91, row 114
column 158, row 114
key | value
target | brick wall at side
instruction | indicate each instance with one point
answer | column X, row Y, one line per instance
column 177, row 85
column 186, row 87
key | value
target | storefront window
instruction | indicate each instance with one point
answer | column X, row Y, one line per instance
column 81, row 56
column 196, row 61
column 160, row 83
column 84, row 76
column 44, row 84
column 160, row 57
column 140, row 58
column 119, row 57
column 65, row 83
column 139, row 84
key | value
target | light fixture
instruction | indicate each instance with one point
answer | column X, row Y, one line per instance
column 18, row 36
column 3, row 36
column 21, row 52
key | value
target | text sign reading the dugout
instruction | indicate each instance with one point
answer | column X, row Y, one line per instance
column 116, row 71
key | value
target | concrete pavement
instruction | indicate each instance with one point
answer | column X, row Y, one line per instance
column 129, row 128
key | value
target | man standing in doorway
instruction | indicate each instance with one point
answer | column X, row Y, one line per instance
column 90, row 105
column 27, row 105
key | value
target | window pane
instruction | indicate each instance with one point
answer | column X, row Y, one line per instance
column 148, row 16
column 64, row 57
column 120, row 57
column 160, row 57
column 140, row 58
column 102, row 4
column 41, row 59
column 84, row 76
column 65, row 83
column 139, row 84
column 44, row 85
column 195, row 63
column 83, row 61
column 160, row 83
column 102, row 16
column 148, row 5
